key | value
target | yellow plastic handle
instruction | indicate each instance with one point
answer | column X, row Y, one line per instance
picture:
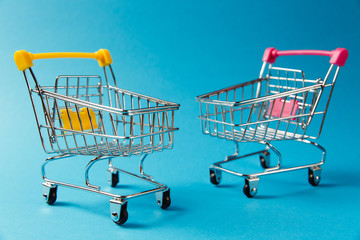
column 24, row 59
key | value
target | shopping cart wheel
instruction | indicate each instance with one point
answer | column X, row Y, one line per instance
column 265, row 159
column 215, row 176
column 118, row 211
column 114, row 178
column 163, row 199
column 250, row 187
column 49, row 193
column 314, row 175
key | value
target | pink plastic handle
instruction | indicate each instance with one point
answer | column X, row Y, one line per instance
column 337, row 56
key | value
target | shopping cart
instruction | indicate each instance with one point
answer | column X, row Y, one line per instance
column 84, row 115
column 280, row 105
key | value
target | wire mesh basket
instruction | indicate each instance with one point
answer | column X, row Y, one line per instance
column 123, row 124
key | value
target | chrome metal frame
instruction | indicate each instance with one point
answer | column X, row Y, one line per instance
column 96, row 189
column 127, row 124
column 244, row 113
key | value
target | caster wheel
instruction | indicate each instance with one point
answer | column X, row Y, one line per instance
column 265, row 159
column 119, row 220
column 114, row 178
column 250, row 188
column 51, row 196
column 163, row 199
column 215, row 177
column 314, row 176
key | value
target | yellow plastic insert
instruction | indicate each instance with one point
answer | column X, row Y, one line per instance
column 24, row 59
column 84, row 117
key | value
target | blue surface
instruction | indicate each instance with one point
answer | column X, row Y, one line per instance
column 176, row 50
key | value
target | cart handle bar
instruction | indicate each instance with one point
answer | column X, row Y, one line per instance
column 337, row 56
column 24, row 59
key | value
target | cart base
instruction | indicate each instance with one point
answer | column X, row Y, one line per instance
column 118, row 203
column 250, row 188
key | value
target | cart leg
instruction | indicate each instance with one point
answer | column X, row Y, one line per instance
column 163, row 198
column 235, row 155
column 142, row 167
column 251, row 186
column 88, row 166
column 50, row 159
column 50, row 189
column 318, row 146
column 49, row 192
column 314, row 172
column 118, row 211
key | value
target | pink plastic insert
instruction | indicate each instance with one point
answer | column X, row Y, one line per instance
column 290, row 108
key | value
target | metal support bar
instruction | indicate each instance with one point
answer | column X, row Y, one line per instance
column 88, row 166
column 142, row 168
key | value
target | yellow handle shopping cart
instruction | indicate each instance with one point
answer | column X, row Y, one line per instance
column 85, row 115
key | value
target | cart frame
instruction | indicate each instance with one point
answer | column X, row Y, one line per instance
column 275, row 107
column 78, row 120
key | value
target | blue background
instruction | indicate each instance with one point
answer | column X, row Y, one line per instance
column 176, row 50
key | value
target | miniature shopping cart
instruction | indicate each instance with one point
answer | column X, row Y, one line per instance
column 280, row 105
column 84, row 115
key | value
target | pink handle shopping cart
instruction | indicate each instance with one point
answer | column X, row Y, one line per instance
column 280, row 105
